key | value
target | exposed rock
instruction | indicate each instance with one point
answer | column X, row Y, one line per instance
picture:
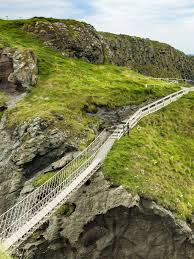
column 63, row 161
column 28, row 149
column 109, row 117
column 109, row 222
column 6, row 68
column 78, row 40
column 18, row 70
column 147, row 56
column 81, row 40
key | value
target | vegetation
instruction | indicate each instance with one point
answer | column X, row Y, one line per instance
column 66, row 209
column 147, row 56
column 4, row 255
column 156, row 159
column 67, row 85
column 42, row 178
column 3, row 98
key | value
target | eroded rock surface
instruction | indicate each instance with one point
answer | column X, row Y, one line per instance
column 78, row 40
column 24, row 151
column 18, row 70
column 109, row 222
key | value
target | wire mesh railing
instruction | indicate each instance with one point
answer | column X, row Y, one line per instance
column 23, row 211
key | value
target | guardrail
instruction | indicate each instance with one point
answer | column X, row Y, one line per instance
column 23, row 218
column 175, row 79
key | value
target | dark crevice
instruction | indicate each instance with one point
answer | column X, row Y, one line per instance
column 88, row 182
column 41, row 162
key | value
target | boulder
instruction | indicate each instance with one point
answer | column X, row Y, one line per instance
column 20, row 68
column 25, row 151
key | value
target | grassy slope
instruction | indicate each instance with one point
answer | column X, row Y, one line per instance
column 66, row 85
column 157, row 159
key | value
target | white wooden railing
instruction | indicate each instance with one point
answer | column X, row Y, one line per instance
column 21, row 220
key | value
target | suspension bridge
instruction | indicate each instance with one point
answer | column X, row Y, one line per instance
column 20, row 221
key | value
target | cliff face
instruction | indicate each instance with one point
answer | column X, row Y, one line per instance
column 147, row 57
column 105, row 221
column 24, row 151
column 80, row 40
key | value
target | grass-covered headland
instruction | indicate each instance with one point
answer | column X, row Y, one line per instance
column 157, row 159
column 67, row 85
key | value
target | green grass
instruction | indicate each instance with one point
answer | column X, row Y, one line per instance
column 66, row 86
column 157, row 159
column 42, row 178
column 65, row 209
column 3, row 98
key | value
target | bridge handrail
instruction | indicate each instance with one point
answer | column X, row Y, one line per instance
column 15, row 213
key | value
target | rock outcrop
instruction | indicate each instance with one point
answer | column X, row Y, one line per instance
column 108, row 222
column 80, row 40
column 18, row 70
column 25, row 151
column 147, row 57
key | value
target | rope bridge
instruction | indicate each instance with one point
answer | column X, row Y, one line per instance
column 20, row 221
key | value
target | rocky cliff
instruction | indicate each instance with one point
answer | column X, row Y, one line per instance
column 105, row 221
column 81, row 40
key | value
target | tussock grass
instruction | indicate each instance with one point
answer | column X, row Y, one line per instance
column 42, row 178
column 157, row 159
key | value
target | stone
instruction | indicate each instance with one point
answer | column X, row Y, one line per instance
column 63, row 161
column 25, row 151
column 110, row 222
column 77, row 40
column 21, row 71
